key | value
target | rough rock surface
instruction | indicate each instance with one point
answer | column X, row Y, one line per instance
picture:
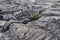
column 45, row 28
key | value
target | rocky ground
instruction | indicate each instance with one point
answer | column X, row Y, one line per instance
column 13, row 13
